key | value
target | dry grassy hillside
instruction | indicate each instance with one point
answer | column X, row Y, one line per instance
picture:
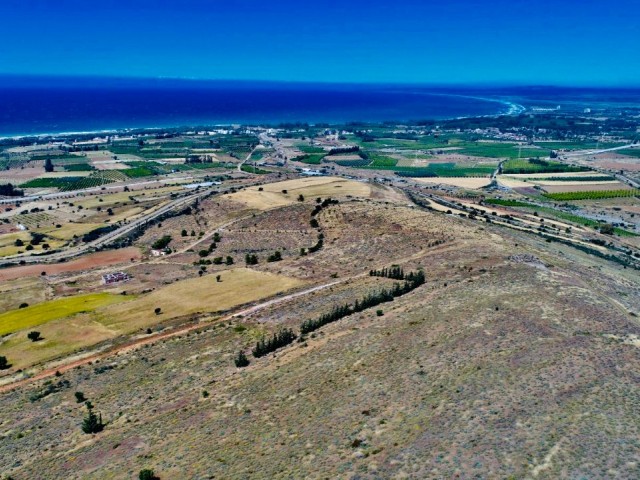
column 516, row 359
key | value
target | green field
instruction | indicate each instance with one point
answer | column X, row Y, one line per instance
column 631, row 152
column 502, row 150
column 576, row 145
column 537, row 166
column 35, row 315
column 352, row 163
column 593, row 195
column 381, row 161
column 419, row 143
column 445, row 172
column 310, row 149
column 595, row 178
column 310, row 158
column 78, row 167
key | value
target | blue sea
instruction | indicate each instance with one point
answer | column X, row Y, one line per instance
column 41, row 105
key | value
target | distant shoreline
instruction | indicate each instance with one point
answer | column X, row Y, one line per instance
column 42, row 112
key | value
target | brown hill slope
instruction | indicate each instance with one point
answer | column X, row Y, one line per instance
column 517, row 359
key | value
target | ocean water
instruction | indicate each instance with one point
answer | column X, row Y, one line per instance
column 39, row 108
column 42, row 105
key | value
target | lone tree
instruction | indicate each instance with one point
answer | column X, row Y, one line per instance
column 607, row 229
column 80, row 397
column 48, row 165
column 158, row 311
column 34, row 336
column 241, row 360
column 147, row 474
column 92, row 423
column 4, row 363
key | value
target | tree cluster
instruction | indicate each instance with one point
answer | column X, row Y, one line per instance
column 161, row 242
column 241, row 360
column 339, row 150
column 278, row 340
column 274, row 257
column 8, row 190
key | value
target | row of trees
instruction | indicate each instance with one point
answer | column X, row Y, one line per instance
column 413, row 281
column 395, row 272
column 278, row 340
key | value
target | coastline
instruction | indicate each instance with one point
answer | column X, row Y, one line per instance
column 376, row 108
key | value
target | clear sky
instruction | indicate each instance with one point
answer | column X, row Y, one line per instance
column 564, row 42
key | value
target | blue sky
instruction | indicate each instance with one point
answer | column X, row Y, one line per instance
column 564, row 42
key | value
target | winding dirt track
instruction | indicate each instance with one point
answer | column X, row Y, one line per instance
column 133, row 344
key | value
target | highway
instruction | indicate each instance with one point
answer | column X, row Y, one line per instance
column 75, row 193
column 596, row 152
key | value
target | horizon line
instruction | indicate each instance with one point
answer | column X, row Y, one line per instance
column 186, row 79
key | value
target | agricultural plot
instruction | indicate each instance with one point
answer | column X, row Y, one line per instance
column 39, row 314
column 630, row 152
column 573, row 179
column 576, row 145
column 59, row 158
column 310, row 149
column 238, row 146
column 538, row 166
column 502, row 150
column 287, row 192
column 8, row 240
column 460, row 182
column 34, row 220
column 145, row 169
column 69, row 230
column 78, row 167
column 310, row 158
column 381, row 161
column 559, row 187
column 445, row 170
column 419, row 143
column 12, row 163
column 593, row 195
column 66, row 184
column 194, row 296
column 355, row 163
column 145, row 152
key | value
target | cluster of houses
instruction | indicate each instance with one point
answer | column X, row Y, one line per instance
column 116, row 277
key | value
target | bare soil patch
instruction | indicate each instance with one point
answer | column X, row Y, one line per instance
column 88, row 262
